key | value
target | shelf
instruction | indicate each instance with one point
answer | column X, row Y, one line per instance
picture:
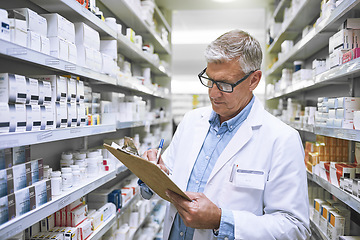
column 23, row 54
column 129, row 49
column 124, row 125
column 347, row 134
column 278, row 14
column 123, row 10
column 307, row 12
column 74, row 12
column 18, row 224
column 337, row 75
column 343, row 196
column 103, row 228
column 9, row 140
column 162, row 18
column 316, row 39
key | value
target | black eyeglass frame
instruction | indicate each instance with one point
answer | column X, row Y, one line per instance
column 200, row 75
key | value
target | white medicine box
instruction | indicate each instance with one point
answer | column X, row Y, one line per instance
column 44, row 92
column 58, row 86
column 34, row 22
column 61, row 114
column 80, row 91
column 58, row 26
column 47, row 117
column 72, row 115
column 4, row 26
column 86, row 36
column 17, row 117
column 33, row 118
column 5, row 118
column 18, row 32
column 72, row 51
column 34, row 41
column 12, row 88
column 45, row 45
column 59, row 48
column 71, row 93
column 109, row 47
column 81, row 114
column 32, row 93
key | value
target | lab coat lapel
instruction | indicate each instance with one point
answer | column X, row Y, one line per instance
column 241, row 137
column 199, row 134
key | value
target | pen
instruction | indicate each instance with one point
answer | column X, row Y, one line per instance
column 232, row 173
column 159, row 150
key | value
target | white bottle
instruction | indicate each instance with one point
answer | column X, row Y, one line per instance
column 76, row 174
column 56, row 183
column 67, row 180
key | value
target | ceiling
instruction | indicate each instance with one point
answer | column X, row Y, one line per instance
column 212, row 4
column 195, row 23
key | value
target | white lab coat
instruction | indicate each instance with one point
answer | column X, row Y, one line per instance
column 262, row 143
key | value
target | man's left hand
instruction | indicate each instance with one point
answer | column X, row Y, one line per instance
column 201, row 213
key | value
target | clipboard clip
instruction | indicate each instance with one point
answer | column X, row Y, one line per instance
column 129, row 146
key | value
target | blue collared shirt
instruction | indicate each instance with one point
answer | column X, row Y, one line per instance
column 215, row 142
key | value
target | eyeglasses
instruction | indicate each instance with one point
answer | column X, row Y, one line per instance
column 222, row 86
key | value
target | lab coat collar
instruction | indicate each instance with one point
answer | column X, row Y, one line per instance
column 241, row 137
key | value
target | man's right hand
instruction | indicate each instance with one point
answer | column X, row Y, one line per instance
column 150, row 155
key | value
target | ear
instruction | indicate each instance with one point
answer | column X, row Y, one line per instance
column 254, row 82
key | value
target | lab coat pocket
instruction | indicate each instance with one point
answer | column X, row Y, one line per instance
column 252, row 179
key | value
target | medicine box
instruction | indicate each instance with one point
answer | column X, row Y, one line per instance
column 45, row 45
column 109, row 47
column 72, row 51
column 80, row 91
column 86, row 36
column 47, row 117
column 61, row 115
column 341, row 40
column 335, row 225
column 34, row 22
column 18, row 32
column 81, row 116
column 107, row 210
column 324, row 216
column 78, row 203
column 48, row 223
column 85, row 56
column 71, row 90
column 21, row 177
column 33, row 118
column 58, row 26
column 317, row 210
column 97, row 60
column 70, row 234
column 350, row 55
column 34, row 41
column 32, row 93
column 59, row 48
column 58, row 87
column 85, row 229
column 97, row 219
column 23, row 201
column 3, row 183
column 351, row 23
column 349, row 103
column 21, row 154
column 5, row 118
column 5, row 29
column 7, row 214
column 44, row 92
column 12, row 88
column 78, row 215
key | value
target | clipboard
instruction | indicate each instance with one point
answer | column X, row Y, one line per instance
column 148, row 172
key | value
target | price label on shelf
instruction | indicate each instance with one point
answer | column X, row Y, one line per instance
column 70, row 67
column 16, row 51
column 52, row 61
column 44, row 135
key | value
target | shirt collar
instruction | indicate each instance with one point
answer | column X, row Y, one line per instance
column 232, row 123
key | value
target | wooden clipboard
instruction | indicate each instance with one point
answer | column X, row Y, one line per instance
column 148, row 172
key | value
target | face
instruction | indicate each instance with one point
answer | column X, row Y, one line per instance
column 228, row 105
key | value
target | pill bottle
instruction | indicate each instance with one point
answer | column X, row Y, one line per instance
column 67, row 180
column 92, row 167
column 56, row 183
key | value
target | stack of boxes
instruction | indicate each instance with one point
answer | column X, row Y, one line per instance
column 337, row 112
column 73, row 222
column 22, row 187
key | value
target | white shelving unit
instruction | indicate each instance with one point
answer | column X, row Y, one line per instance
column 27, row 60
column 126, row 13
column 8, row 140
column 18, row 224
column 336, row 82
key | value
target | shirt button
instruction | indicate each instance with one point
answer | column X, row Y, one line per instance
column 197, row 182
column 218, row 136
column 231, row 127
column 181, row 234
column 226, row 238
column 207, row 157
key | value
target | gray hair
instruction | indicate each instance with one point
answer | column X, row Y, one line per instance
column 235, row 45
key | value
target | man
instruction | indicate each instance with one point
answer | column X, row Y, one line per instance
column 242, row 167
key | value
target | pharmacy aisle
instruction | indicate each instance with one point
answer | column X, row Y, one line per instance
column 73, row 76
column 313, row 85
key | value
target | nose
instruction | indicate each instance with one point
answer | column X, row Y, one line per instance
column 214, row 91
